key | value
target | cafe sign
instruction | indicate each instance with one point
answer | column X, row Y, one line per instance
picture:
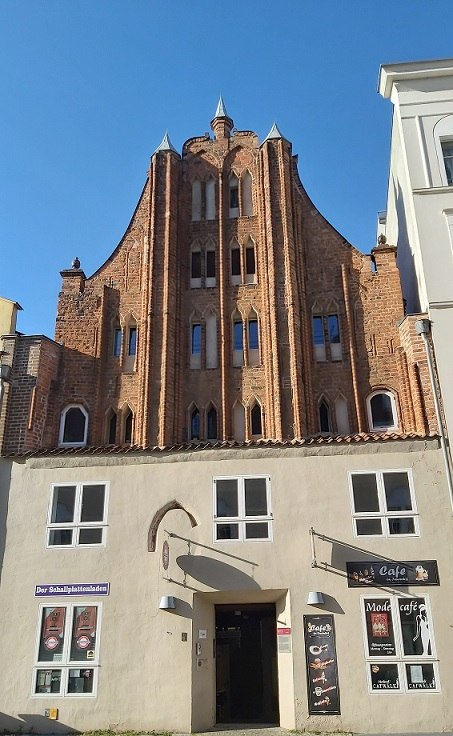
column 389, row 572
column 321, row 659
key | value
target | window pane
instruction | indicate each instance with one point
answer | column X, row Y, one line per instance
column 368, row 526
column 384, row 676
column 210, row 264
column 132, row 346
column 212, row 424
column 52, row 634
column 196, row 264
column 234, row 194
column 227, row 531
column 447, row 150
column 227, row 497
column 63, row 504
column 256, row 421
column 195, row 425
column 128, row 428
column 74, row 425
column 381, row 411
column 364, row 487
column 324, row 418
column 250, row 260
column 420, row 677
column 48, row 681
column 92, row 503
column 80, row 681
column 60, row 537
column 401, row 526
column 379, row 626
column 334, row 328
column 237, row 336
column 415, row 626
column 397, row 492
column 112, row 429
column 318, row 330
column 83, row 639
column 253, row 334
column 117, row 342
column 259, row 530
column 196, row 339
column 235, row 262
column 255, row 497
column 90, row 536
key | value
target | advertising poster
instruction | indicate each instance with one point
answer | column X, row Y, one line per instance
column 322, row 672
column 415, row 572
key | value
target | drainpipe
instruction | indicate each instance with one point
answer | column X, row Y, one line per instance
column 423, row 328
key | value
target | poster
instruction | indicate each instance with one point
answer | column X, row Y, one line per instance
column 322, row 672
column 379, row 626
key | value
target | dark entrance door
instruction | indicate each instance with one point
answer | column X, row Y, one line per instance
column 246, row 663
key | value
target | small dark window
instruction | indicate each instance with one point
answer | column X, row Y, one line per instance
column 250, row 261
column 112, row 429
column 318, row 330
column 256, row 420
column 117, row 342
column 334, row 328
column 253, row 334
column 324, row 417
column 74, row 426
column 196, row 264
column 210, row 264
column 237, row 336
column 382, row 411
column 235, row 262
column 212, row 424
column 195, row 425
column 128, row 428
column 234, row 194
column 132, row 341
column 196, row 340
column 447, row 152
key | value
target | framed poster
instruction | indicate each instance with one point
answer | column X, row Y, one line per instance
column 322, row 672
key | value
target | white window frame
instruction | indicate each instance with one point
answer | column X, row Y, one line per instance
column 76, row 525
column 400, row 659
column 383, row 514
column 241, row 519
column 65, row 664
column 62, row 427
column 379, row 427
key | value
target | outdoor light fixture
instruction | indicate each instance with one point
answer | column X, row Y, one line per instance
column 315, row 598
column 167, row 602
column 5, row 372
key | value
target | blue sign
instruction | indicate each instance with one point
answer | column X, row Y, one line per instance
column 70, row 589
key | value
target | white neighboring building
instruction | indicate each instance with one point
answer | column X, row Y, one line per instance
column 420, row 198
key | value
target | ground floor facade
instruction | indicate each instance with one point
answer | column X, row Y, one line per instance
column 302, row 586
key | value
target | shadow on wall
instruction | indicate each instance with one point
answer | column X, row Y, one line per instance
column 5, row 484
column 218, row 575
column 405, row 255
column 33, row 723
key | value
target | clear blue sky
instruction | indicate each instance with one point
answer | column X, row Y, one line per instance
column 90, row 86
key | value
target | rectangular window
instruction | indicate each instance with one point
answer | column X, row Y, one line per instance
column 250, row 266
column 242, row 509
column 77, row 515
column 399, row 646
column 132, row 341
column 235, row 262
column 253, row 334
column 237, row 336
column 117, row 342
column 196, row 340
column 210, row 264
column 318, row 338
column 196, row 264
column 447, row 152
column 333, row 328
column 383, row 503
column 67, row 651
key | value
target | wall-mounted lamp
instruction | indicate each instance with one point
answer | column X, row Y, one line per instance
column 167, row 602
column 315, row 598
column 5, row 372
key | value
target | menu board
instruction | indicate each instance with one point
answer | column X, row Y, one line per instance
column 322, row 672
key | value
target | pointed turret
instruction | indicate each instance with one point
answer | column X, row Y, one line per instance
column 166, row 145
column 274, row 134
column 222, row 124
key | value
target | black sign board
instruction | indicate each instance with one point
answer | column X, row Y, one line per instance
column 322, row 672
column 386, row 572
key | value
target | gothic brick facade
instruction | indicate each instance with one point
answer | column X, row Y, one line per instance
column 229, row 296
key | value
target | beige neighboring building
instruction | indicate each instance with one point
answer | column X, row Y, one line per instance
column 419, row 218
column 223, row 496
column 223, row 535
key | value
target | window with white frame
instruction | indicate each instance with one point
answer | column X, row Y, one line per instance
column 399, row 645
column 77, row 515
column 383, row 503
column 382, row 411
column 73, row 426
column 67, row 652
column 447, row 153
column 242, row 510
